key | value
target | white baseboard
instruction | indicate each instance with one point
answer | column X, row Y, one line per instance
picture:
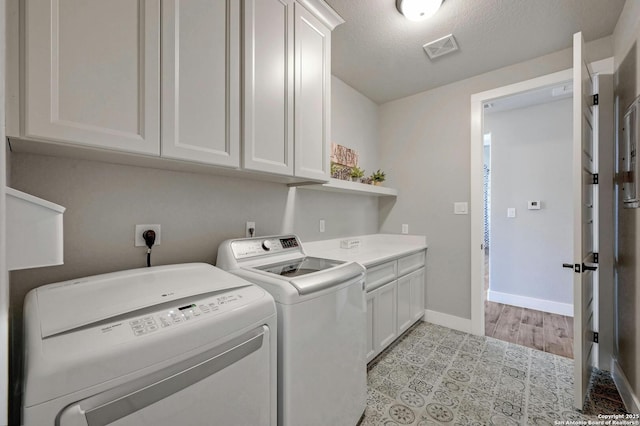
column 531, row 303
column 446, row 320
column 629, row 398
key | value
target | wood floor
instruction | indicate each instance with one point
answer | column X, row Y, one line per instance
column 535, row 329
column 538, row 330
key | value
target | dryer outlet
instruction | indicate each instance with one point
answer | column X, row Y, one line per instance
column 139, row 240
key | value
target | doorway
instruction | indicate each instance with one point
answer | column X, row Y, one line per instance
column 477, row 193
column 528, row 218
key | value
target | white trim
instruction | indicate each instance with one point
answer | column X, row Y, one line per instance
column 450, row 321
column 477, row 220
column 531, row 303
column 604, row 66
column 324, row 12
column 631, row 401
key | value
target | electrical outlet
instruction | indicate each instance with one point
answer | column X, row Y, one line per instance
column 139, row 241
column 461, row 207
column 321, row 225
column 250, row 229
column 405, row 228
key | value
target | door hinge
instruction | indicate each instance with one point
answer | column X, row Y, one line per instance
column 595, row 178
column 595, row 99
column 595, row 257
column 595, row 337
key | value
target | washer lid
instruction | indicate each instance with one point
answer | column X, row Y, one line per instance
column 298, row 267
column 71, row 304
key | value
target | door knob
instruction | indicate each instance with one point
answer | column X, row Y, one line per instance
column 588, row 268
column 576, row 267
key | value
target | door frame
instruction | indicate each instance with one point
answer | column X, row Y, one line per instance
column 605, row 66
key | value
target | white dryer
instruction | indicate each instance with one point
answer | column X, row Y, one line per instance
column 169, row 345
column 321, row 327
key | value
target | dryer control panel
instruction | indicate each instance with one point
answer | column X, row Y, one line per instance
column 180, row 314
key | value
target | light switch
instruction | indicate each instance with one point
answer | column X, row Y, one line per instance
column 511, row 212
column 533, row 204
column 461, row 208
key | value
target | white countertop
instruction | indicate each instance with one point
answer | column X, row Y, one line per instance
column 373, row 249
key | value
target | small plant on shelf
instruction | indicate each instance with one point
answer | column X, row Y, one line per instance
column 378, row 177
column 356, row 173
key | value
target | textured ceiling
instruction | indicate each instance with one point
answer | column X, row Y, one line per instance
column 380, row 54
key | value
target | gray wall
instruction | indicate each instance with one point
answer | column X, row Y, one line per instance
column 4, row 277
column 354, row 123
column 530, row 150
column 627, row 87
column 197, row 212
column 425, row 150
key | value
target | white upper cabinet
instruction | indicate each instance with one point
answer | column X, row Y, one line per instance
column 312, row 94
column 287, row 77
column 232, row 83
column 201, row 81
column 268, row 86
column 92, row 73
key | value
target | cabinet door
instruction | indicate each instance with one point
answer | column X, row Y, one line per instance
column 200, row 81
column 386, row 315
column 404, row 303
column 371, row 326
column 312, row 94
column 92, row 73
column 268, row 86
column 417, row 294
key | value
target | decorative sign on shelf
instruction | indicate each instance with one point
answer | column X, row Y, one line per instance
column 343, row 155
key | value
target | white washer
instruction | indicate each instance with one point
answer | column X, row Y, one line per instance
column 321, row 327
column 169, row 345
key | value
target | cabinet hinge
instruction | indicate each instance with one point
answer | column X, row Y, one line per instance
column 595, row 99
column 595, row 337
column 595, row 178
column 595, row 257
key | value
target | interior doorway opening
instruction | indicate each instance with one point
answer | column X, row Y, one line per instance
column 527, row 146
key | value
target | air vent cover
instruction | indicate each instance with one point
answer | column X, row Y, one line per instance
column 441, row 46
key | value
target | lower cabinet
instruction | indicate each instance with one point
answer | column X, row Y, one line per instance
column 386, row 315
column 371, row 339
column 394, row 306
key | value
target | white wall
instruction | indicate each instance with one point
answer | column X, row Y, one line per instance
column 354, row 123
column 627, row 343
column 424, row 148
column 530, row 151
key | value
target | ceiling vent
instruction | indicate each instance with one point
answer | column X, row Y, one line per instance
column 441, row 46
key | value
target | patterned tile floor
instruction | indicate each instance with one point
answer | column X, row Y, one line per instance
column 434, row 375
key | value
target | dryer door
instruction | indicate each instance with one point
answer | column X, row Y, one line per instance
column 230, row 385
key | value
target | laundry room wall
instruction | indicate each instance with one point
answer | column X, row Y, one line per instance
column 197, row 212
column 626, row 366
column 530, row 150
column 354, row 123
column 425, row 150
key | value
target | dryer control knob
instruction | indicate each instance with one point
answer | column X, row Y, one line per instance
column 266, row 244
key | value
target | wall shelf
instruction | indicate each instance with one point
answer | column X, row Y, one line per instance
column 338, row 185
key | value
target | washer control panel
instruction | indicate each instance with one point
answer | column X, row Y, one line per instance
column 253, row 247
column 181, row 314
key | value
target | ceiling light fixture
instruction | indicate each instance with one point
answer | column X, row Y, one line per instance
column 417, row 10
